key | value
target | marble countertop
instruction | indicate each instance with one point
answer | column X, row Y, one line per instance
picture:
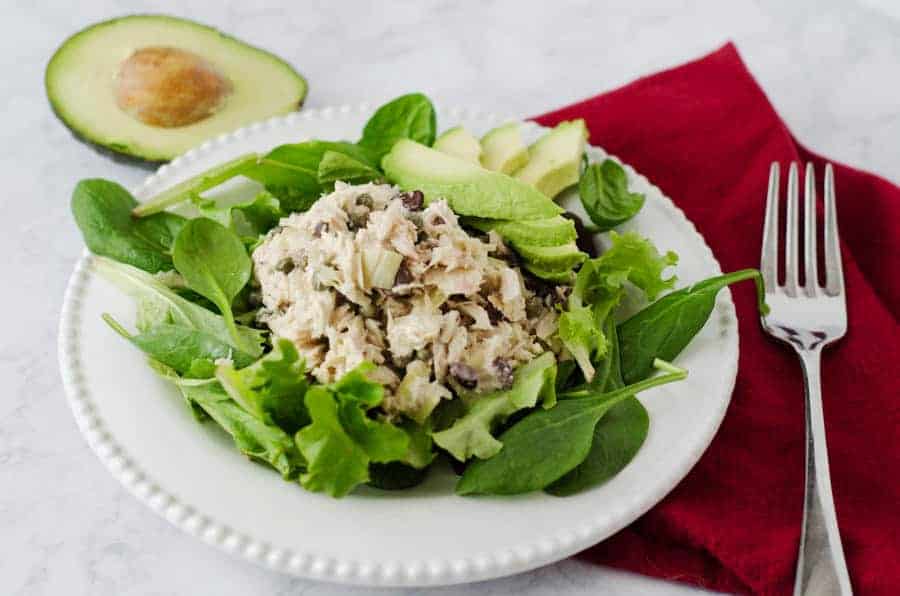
column 65, row 525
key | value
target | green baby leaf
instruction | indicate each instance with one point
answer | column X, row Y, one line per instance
column 258, row 440
column 470, row 435
column 338, row 166
column 248, row 219
column 603, row 188
column 187, row 350
column 102, row 210
column 214, row 263
column 193, row 186
column 409, row 116
column 663, row 329
column 272, row 388
column 342, row 439
column 158, row 304
column 546, row 444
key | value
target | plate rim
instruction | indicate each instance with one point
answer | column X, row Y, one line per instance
column 481, row 566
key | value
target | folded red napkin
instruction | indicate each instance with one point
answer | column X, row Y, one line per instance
column 705, row 134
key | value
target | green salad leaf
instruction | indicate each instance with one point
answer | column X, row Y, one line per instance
column 189, row 351
column 291, row 172
column 102, row 210
column 214, row 263
column 342, row 439
column 409, row 116
column 604, row 193
column 272, row 388
column 248, row 219
column 159, row 304
column 470, row 435
column 337, row 165
column 253, row 437
column 599, row 288
column 195, row 185
column 543, row 446
column 664, row 329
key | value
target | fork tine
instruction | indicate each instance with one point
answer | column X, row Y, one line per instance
column 791, row 233
column 834, row 274
column 811, row 265
column 769, row 259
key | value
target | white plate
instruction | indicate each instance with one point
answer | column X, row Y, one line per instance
column 192, row 475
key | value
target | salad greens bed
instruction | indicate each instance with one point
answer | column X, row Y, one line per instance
column 563, row 426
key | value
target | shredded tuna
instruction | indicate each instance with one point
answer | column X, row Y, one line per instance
column 363, row 277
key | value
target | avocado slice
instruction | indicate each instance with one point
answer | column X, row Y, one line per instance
column 151, row 86
column 469, row 189
column 551, row 258
column 551, row 231
column 503, row 149
column 460, row 143
column 555, row 158
column 558, row 277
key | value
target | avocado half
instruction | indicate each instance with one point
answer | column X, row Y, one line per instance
column 152, row 86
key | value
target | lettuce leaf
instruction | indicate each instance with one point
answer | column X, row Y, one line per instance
column 471, row 434
column 272, row 388
column 342, row 440
column 599, row 288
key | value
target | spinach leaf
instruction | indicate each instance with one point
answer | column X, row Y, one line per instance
column 470, row 435
column 188, row 351
column 248, row 219
column 663, row 329
column 272, row 388
column 409, row 116
column 604, row 193
column 617, row 437
column 194, row 186
column 102, row 210
column 338, row 166
column 258, row 440
column 342, row 439
column 159, row 304
column 214, row 263
column 291, row 172
column 547, row 444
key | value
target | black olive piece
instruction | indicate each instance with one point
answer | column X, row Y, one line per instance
column 438, row 221
column 504, row 372
column 494, row 314
column 464, row 374
column 285, row 265
column 585, row 240
column 403, row 276
column 414, row 200
column 321, row 228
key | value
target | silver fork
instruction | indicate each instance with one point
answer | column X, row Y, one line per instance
column 808, row 317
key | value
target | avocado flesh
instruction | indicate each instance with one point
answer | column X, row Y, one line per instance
column 503, row 149
column 555, row 159
column 469, row 189
column 460, row 143
column 559, row 258
column 551, row 231
column 78, row 85
column 558, row 277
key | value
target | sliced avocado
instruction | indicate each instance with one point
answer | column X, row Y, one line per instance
column 152, row 86
column 555, row 158
column 551, row 231
column 460, row 143
column 469, row 189
column 558, row 277
column 551, row 258
column 503, row 149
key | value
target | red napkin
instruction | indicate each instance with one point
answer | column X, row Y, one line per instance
column 705, row 133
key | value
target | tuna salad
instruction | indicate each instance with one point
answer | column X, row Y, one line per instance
column 370, row 273
column 361, row 312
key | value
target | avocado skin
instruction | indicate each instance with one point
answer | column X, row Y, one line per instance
column 123, row 153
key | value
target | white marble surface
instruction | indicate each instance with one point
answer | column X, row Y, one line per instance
column 65, row 525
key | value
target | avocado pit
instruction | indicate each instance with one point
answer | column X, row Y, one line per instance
column 168, row 87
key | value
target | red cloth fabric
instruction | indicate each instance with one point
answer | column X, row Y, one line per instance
column 705, row 133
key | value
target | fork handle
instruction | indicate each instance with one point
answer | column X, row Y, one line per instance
column 821, row 568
